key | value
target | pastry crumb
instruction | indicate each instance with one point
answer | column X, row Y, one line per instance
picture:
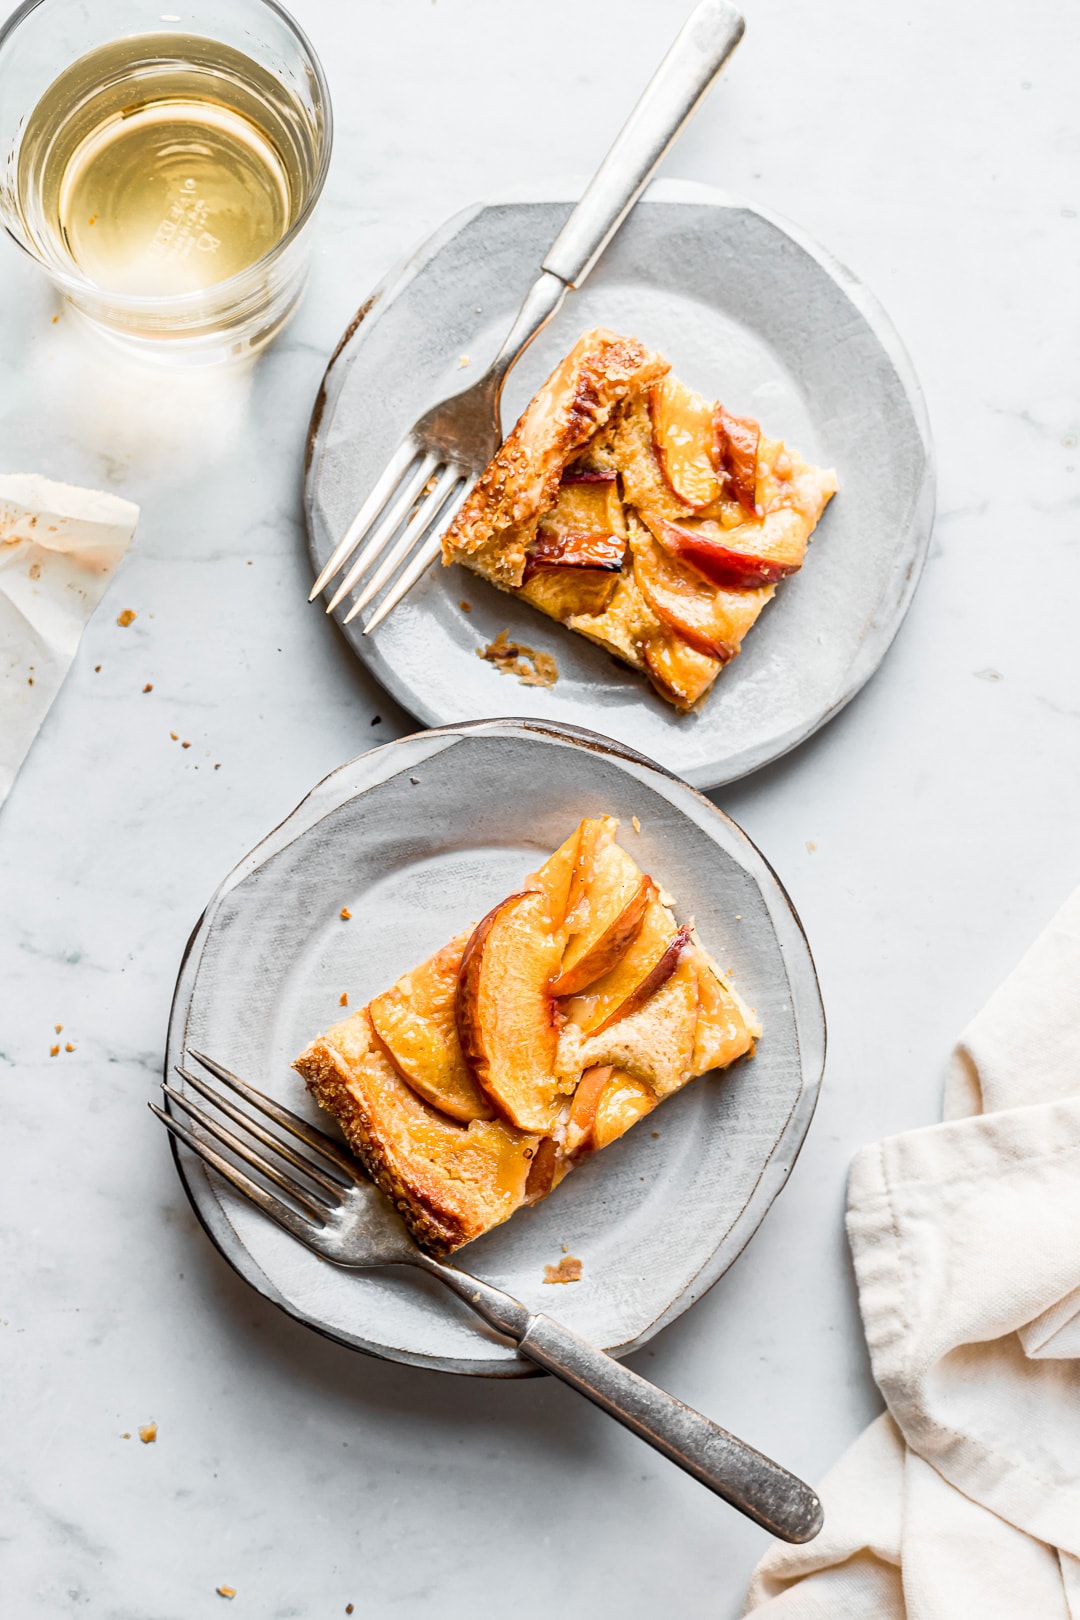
column 127, row 617
column 343, row 1000
column 148, row 1433
column 348, row 1608
column 175, row 735
column 635, row 823
column 463, row 360
column 811, row 846
column 148, row 687
column 58, row 1028
column 531, row 666
column 226, row 1591
column 345, row 914
column 568, row 1270
column 126, row 1435
column 466, row 607
column 53, row 1050
column 97, row 669
column 185, row 745
column 68, row 1047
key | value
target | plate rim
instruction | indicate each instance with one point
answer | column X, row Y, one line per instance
column 909, row 558
column 807, row 1012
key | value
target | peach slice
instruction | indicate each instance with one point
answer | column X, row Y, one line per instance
column 684, row 436
column 615, row 923
column 575, row 548
column 723, row 1032
column 565, row 592
column 586, row 505
column 553, row 879
column 654, row 1041
column 505, row 1010
column 743, row 557
column 594, row 1008
column 542, row 1169
column 621, row 1104
column 423, row 1056
column 736, row 441
column 596, row 833
column 679, row 672
column 711, row 620
column 588, row 475
column 654, row 980
column 583, row 1110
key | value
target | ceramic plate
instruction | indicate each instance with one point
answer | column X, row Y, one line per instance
column 416, row 839
column 747, row 309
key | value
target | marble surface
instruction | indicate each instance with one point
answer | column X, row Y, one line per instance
column 925, row 836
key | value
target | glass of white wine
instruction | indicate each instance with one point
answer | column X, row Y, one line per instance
column 163, row 166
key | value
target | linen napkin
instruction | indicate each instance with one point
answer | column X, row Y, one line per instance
column 59, row 548
column 963, row 1499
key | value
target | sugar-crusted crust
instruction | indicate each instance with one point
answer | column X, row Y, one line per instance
column 522, row 481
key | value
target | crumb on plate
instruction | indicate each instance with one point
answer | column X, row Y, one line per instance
column 343, row 999
column 810, row 845
column 225, row 1591
column 53, row 1050
column 568, row 1270
column 466, row 607
column 148, row 687
column 148, row 1433
column 636, row 824
column 126, row 618
column 346, row 914
column 531, row 666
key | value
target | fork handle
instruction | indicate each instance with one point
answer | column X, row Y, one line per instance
column 758, row 1487
column 761, row 1489
column 709, row 36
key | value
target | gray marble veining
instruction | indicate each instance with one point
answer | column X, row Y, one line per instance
column 925, row 836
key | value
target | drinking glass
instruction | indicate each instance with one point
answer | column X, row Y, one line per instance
column 163, row 167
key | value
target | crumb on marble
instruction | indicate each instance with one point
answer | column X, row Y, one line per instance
column 126, row 1435
column 97, row 669
column 185, row 745
column 58, row 1028
column 348, row 1608
column 343, row 999
column 346, row 914
column 68, row 1046
column 148, row 1433
column 127, row 617
column 55, row 319
column 226, row 1592
column 568, row 1270
column 175, row 736
column 532, row 667
column 810, row 846
column 54, row 1050
column 148, row 687
column 217, row 767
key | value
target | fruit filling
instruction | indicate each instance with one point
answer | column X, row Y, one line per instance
column 481, row 1078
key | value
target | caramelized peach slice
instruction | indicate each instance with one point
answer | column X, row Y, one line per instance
column 679, row 672
column 583, row 1110
column 615, row 923
column 724, row 1030
column 748, row 555
column 586, row 506
column 654, row 980
column 575, row 548
column 621, row 1104
column 711, row 620
column 595, row 834
column 541, row 1177
column 654, row 1042
column 565, row 592
column 684, row 437
column 615, row 990
column 736, row 441
column 505, row 1010
column 431, row 1063
column 555, row 876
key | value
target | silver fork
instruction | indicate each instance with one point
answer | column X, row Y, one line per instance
column 332, row 1208
column 428, row 478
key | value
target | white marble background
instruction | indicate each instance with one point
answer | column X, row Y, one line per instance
column 925, row 836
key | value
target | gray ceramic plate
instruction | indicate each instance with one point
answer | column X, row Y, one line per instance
column 415, row 839
column 749, row 310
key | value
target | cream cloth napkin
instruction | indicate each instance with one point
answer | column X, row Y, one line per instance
column 963, row 1499
column 59, row 548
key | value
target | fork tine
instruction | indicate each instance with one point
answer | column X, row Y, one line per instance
column 385, row 485
column 395, row 513
column 426, row 516
column 316, row 1206
column 298, row 1160
column 284, row 1117
column 297, row 1224
column 424, row 557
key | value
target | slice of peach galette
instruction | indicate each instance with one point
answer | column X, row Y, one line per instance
column 482, row 1077
column 640, row 515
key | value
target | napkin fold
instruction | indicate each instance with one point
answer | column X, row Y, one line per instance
column 59, row 548
column 963, row 1498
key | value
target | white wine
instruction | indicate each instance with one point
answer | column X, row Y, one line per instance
column 162, row 164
